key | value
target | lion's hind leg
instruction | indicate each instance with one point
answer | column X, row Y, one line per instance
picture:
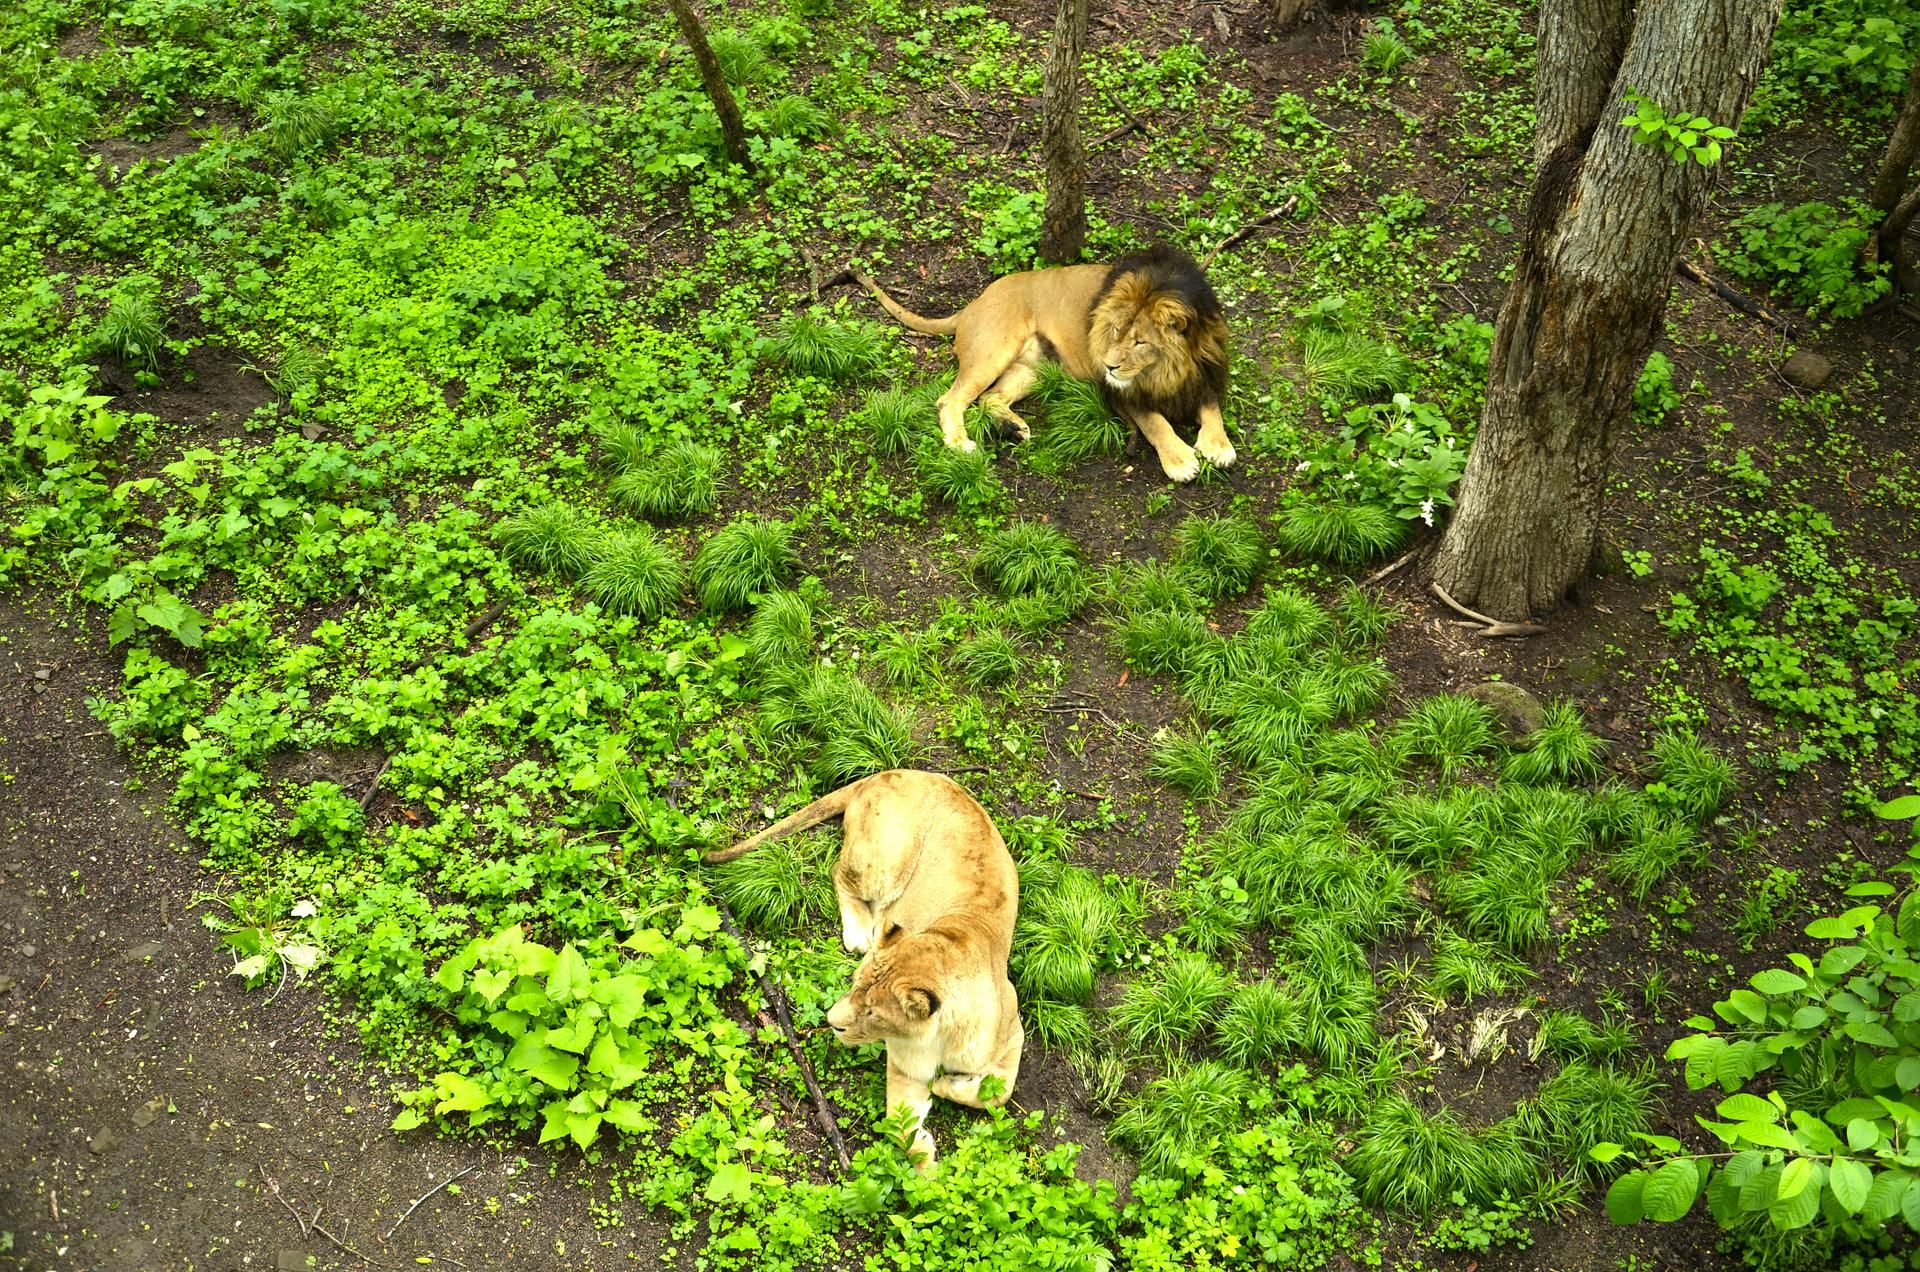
column 982, row 363
column 1015, row 383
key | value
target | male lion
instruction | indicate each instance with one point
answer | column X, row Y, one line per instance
column 928, row 893
column 1148, row 327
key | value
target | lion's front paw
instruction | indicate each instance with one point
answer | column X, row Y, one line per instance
column 1184, row 466
column 964, row 444
column 1221, row 456
column 921, row 1153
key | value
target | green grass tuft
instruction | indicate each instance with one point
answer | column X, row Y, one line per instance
column 901, row 420
column 1561, row 751
column 134, row 324
column 1447, row 731
column 1338, row 996
column 1175, row 1004
column 1220, row 554
column 1064, row 1028
column 682, row 481
column 742, row 59
column 1028, row 557
column 794, row 116
column 781, row 630
column 1272, row 715
column 1262, row 1021
column 1694, row 779
column 843, row 723
column 634, row 573
column 1348, row 366
column 1473, row 969
column 1362, row 622
column 1063, row 932
column 1191, row 759
column 1346, row 534
column 1290, row 613
column 1182, row 1112
column 555, row 539
column 962, row 479
column 1150, row 585
column 1079, row 423
column 1408, row 1161
column 297, row 124
column 781, row 885
column 1385, row 51
column 622, row 446
column 1588, row 1104
column 744, row 558
column 988, row 657
column 1162, row 642
column 904, row 659
column 1658, row 847
column 1566, row 1035
column 807, row 344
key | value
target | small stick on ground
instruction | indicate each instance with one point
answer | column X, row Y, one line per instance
column 1491, row 626
column 373, row 787
column 1265, row 218
column 307, row 1228
column 1395, row 568
column 1131, row 126
column 423, row 1196
column 1745, row 304
column 813, row 273
column 822, row 1111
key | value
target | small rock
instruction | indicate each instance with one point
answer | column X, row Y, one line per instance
column 103, row 1142
column 294, row 1261
column 28, row 951
column 144, row 950
column 1519, row 713
column 146, row 1113
column 43, row 674
column 1806, row 370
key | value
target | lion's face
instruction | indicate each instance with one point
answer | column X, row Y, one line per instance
column 890, row 999
column 1142, row 337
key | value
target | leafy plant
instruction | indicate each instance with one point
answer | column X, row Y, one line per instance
column 327, row 817
column 1653, row 393
column 1682, row 136
column 1812, row 253
column 134, row 324
column 683, row 481
column 634, row 573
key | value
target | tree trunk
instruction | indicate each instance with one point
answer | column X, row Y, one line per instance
column 1902, row 149
column 1284, row 13
column 733, row 129
column 1605, row 225
column 1063, row 228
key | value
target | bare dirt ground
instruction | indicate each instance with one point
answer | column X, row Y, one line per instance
column 154, row 1116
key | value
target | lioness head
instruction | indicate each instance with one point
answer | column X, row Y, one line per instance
column 1158, row 330
column 892, row 995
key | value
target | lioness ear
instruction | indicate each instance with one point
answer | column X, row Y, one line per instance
column 919, row 1004
column 893, row 933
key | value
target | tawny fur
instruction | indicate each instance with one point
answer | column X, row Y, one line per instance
column 1148, row 328
column 929, row 893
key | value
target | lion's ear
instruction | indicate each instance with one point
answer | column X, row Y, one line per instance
column 893, row 933
column 919, row 1004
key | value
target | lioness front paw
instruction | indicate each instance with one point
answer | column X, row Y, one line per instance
column 1183, row 466
column 1220, row 456
column 922, row 1153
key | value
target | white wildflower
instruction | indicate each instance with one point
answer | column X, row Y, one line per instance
column 1426, row 511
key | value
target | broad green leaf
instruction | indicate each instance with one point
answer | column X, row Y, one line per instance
column 491, row 984
column 1660, row 1143
column 1604, row 1153
column 731, row 1182
column 1798, row 1210
column 1907, row 1073
column 535, row 1058
column 1758, row 1192
column 407, row 1119
column 1814, row 1133
column 1624, row 1198
column 1748, row 1108
column 1812, row 1016
column 459, row 1094
column 1840, row 960
column 575, row 1036
column 1910, row 1206
column 1873, row 888
column 1862, row 1134
column 584, row 1128
column 624, row 997
column 1744, row 1004
column 1776, row 981
column 1670, row 1190
column 1885, row 1198
column 1850, row 1181
column 570, row 980
column 1907, row 806
column 1865, row 1031
column 629, row 1116
column 1794, row 1176
column 1767, row 1135
column 1906, row 1008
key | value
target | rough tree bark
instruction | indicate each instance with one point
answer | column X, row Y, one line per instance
column 1063, row 227
column 733, row 129
column 1605, row 224
column 1899, row 213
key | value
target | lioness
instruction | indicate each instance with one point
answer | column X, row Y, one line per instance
column 1148, row 327
column 928, row 893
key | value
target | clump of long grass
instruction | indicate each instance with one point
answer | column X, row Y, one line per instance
column 1272, row 714
column 905, row 660
column 622, row 445
column 1473, row 969
column 1567, row 1035
column 901, row 420
column 848, row 729
column 962, row 479
column 1175, row 1004
column 1407, row 1160
column 634, row 573
column 1221, row 554
column 1290, row 613
column 1693, row 777
column 1561, row 750
column 1191, row 759
column 1361, row 621
column 1346, row 534
column 1323, row 870
column 1447, row 731
column 1431, row 832
column 1063, row 931
column 780, row 885
column 794, row 116
column 1657, row 847
column 1339, row 998
column 296, row 124
column 1142, row 586
column 743, row 559
column 1161, row 641
column 1026, row 557
column 1384, row 50
column 1215, row 914
column 134, row 324
column 1587, row 1104
column 742, row 59
column 1079, row 424
column 1182, row 1112
column 550, row 538
column 1354, row 685
column 1261, row 1021
column 299, row 367
column 808, row 344
column 781, row 630
column 988, row 657
column 682, row 481
column 1357, row 769
column 1347, row 366
column 1065, row 1028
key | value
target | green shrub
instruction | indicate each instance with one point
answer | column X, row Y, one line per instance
column 807, row 344
column 742, row 560
column 551, row 538
column 633, row 573
column 682, row 481
column 1220, row 554
column 327, row 818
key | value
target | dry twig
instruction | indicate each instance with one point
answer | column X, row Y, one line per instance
column 423, row 1196
column 1265, row 218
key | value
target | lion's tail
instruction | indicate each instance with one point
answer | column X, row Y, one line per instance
column 926, row 326
column 825, row 808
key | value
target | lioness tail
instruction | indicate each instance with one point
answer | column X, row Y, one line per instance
column 926, row 326
column 825, row 808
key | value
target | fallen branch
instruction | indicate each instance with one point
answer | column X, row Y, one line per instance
column 1745, row 304
column 813, row 273
column 373, row 787
column 1131, row 126
column 308, row 1227
column 822, row 1111
column 1395, row 568
column 423, row 1196
column 1265, row 218
column 1490, row 626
